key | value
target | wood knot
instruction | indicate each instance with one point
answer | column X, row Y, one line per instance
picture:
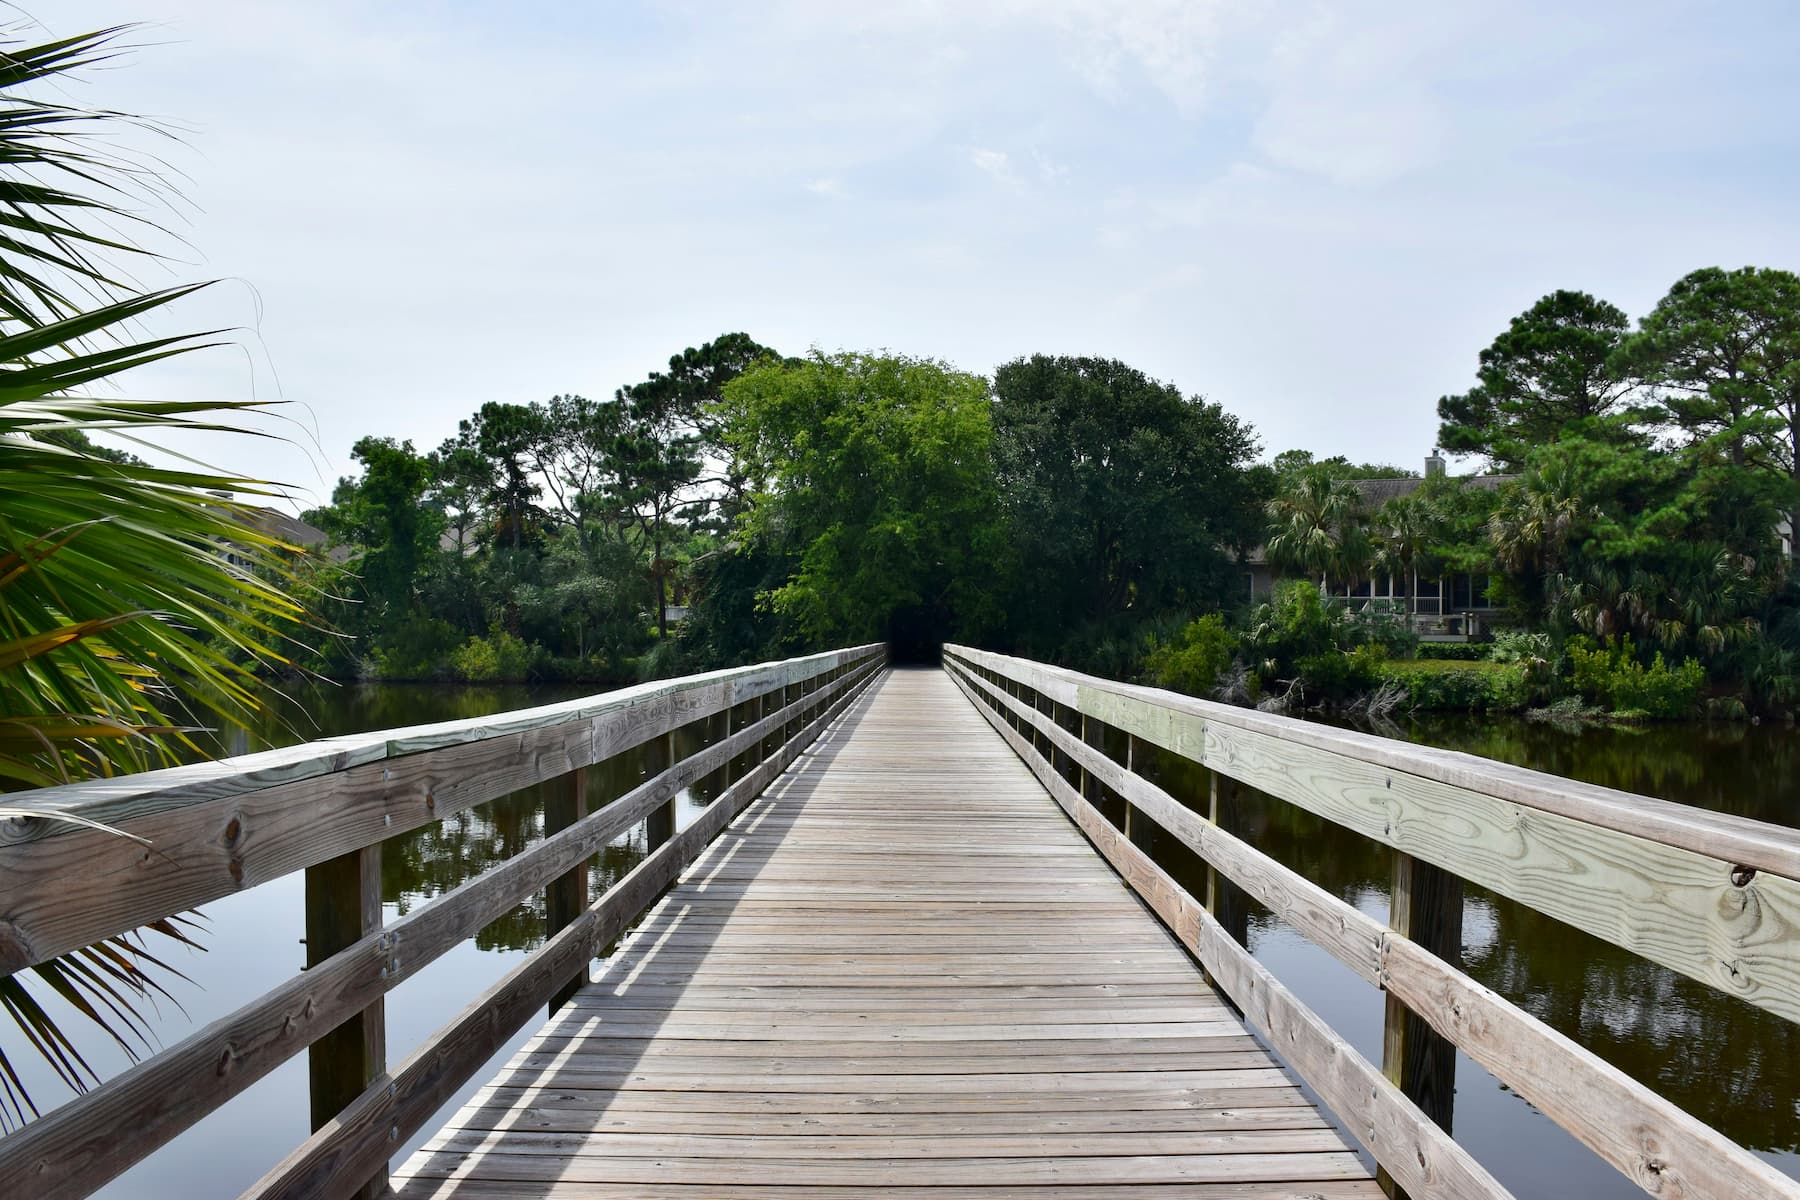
column 1741, row 876
column 234, row 829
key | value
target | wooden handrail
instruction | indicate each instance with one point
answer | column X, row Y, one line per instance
column 1711, row 896
column 1652, row 1141
column 218, row 828
column 76, row 1148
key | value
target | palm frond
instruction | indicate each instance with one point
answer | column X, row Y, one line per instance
column 135, row 600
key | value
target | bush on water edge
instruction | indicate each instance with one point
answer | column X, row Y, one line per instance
column 1436, row 683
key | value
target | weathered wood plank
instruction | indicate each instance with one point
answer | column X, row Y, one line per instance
column 1421, row 1156
column 366, row 1132
column 1152, row 714
column 1662, row 880
column 343, row 905
column 847, row 988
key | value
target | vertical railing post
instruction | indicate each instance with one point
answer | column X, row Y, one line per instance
column 1426, row 908
column 343, row 905
column 565, row 802
column 1081, row 771
column 1223, row 899
column 1130, row 769
column 659, row 826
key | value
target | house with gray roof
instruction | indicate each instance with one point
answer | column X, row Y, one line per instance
column 1454, row 608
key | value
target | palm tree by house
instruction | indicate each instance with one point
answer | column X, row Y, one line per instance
column 1316, row 526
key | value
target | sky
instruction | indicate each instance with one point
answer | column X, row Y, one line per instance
column 1314, row 214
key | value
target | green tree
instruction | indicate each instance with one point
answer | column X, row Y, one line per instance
column 670, row 428
column 1724, row 348
column 1317, row 526
column 383, row 515
column 1553, row 371
column 1125, row 497
column 1404, row 531
column 574, row 452
column 871, row 475
column 506, row 437
column 1608, row 540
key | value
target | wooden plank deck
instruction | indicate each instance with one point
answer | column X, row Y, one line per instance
column 903, row 971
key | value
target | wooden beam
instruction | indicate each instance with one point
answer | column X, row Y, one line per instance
column 1223, row 899
column 1574, row 852
column 398, row 1106
column 1387, row 1124
column 565, row 803
column 222, row 827
column 1426, row 907
column 343, row 905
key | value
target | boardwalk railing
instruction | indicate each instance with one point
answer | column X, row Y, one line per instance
column 326, row 807
column 1712, row 896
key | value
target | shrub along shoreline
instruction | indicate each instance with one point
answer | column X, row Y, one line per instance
column 1304, row 651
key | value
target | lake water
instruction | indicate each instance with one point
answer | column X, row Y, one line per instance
column 1726, row 1062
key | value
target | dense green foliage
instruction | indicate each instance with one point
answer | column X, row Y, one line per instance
column 1125, row 498
column 871, row 476
column 1552, row 371
column 1466, row 686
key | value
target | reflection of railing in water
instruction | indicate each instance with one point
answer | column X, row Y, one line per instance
column 326, row 807
column 1712, row 896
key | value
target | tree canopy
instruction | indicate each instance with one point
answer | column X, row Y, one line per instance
column 1553, row 370
column 1122, row 493
column 871, row 475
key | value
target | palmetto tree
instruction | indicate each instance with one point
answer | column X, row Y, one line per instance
column 1534, row 522
column 1403, row 530
column 1316, row 526
column 133, row 599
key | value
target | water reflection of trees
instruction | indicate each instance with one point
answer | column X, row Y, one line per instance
column 1726, row 1061
column 1726, row 767
column 425, row 863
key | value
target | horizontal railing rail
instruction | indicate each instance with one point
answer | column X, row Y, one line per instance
column 1710, row 895
column 368, row 789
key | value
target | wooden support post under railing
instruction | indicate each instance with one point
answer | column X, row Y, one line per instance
column 1130, row 766
column 659, row 826
column 1426, row 908
column 343, row 904
column 565, row 802
column 1223, row 898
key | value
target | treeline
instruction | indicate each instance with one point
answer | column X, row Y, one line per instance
column 786, row 504
column 1638, row 531
column 1076, row 510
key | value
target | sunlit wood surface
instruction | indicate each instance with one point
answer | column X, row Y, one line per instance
column 901, row 972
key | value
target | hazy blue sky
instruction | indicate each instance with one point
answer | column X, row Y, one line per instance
column 1314, row 213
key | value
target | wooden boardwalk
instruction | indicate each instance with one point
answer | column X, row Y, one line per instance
column 901, row 972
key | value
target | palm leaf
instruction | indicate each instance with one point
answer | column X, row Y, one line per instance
column 134, row 601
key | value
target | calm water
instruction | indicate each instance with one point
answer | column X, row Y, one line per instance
column 1723, row 1060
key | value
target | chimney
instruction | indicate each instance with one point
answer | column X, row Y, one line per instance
column 1434, row 464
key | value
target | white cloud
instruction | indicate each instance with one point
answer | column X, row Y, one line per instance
column 996, row 163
